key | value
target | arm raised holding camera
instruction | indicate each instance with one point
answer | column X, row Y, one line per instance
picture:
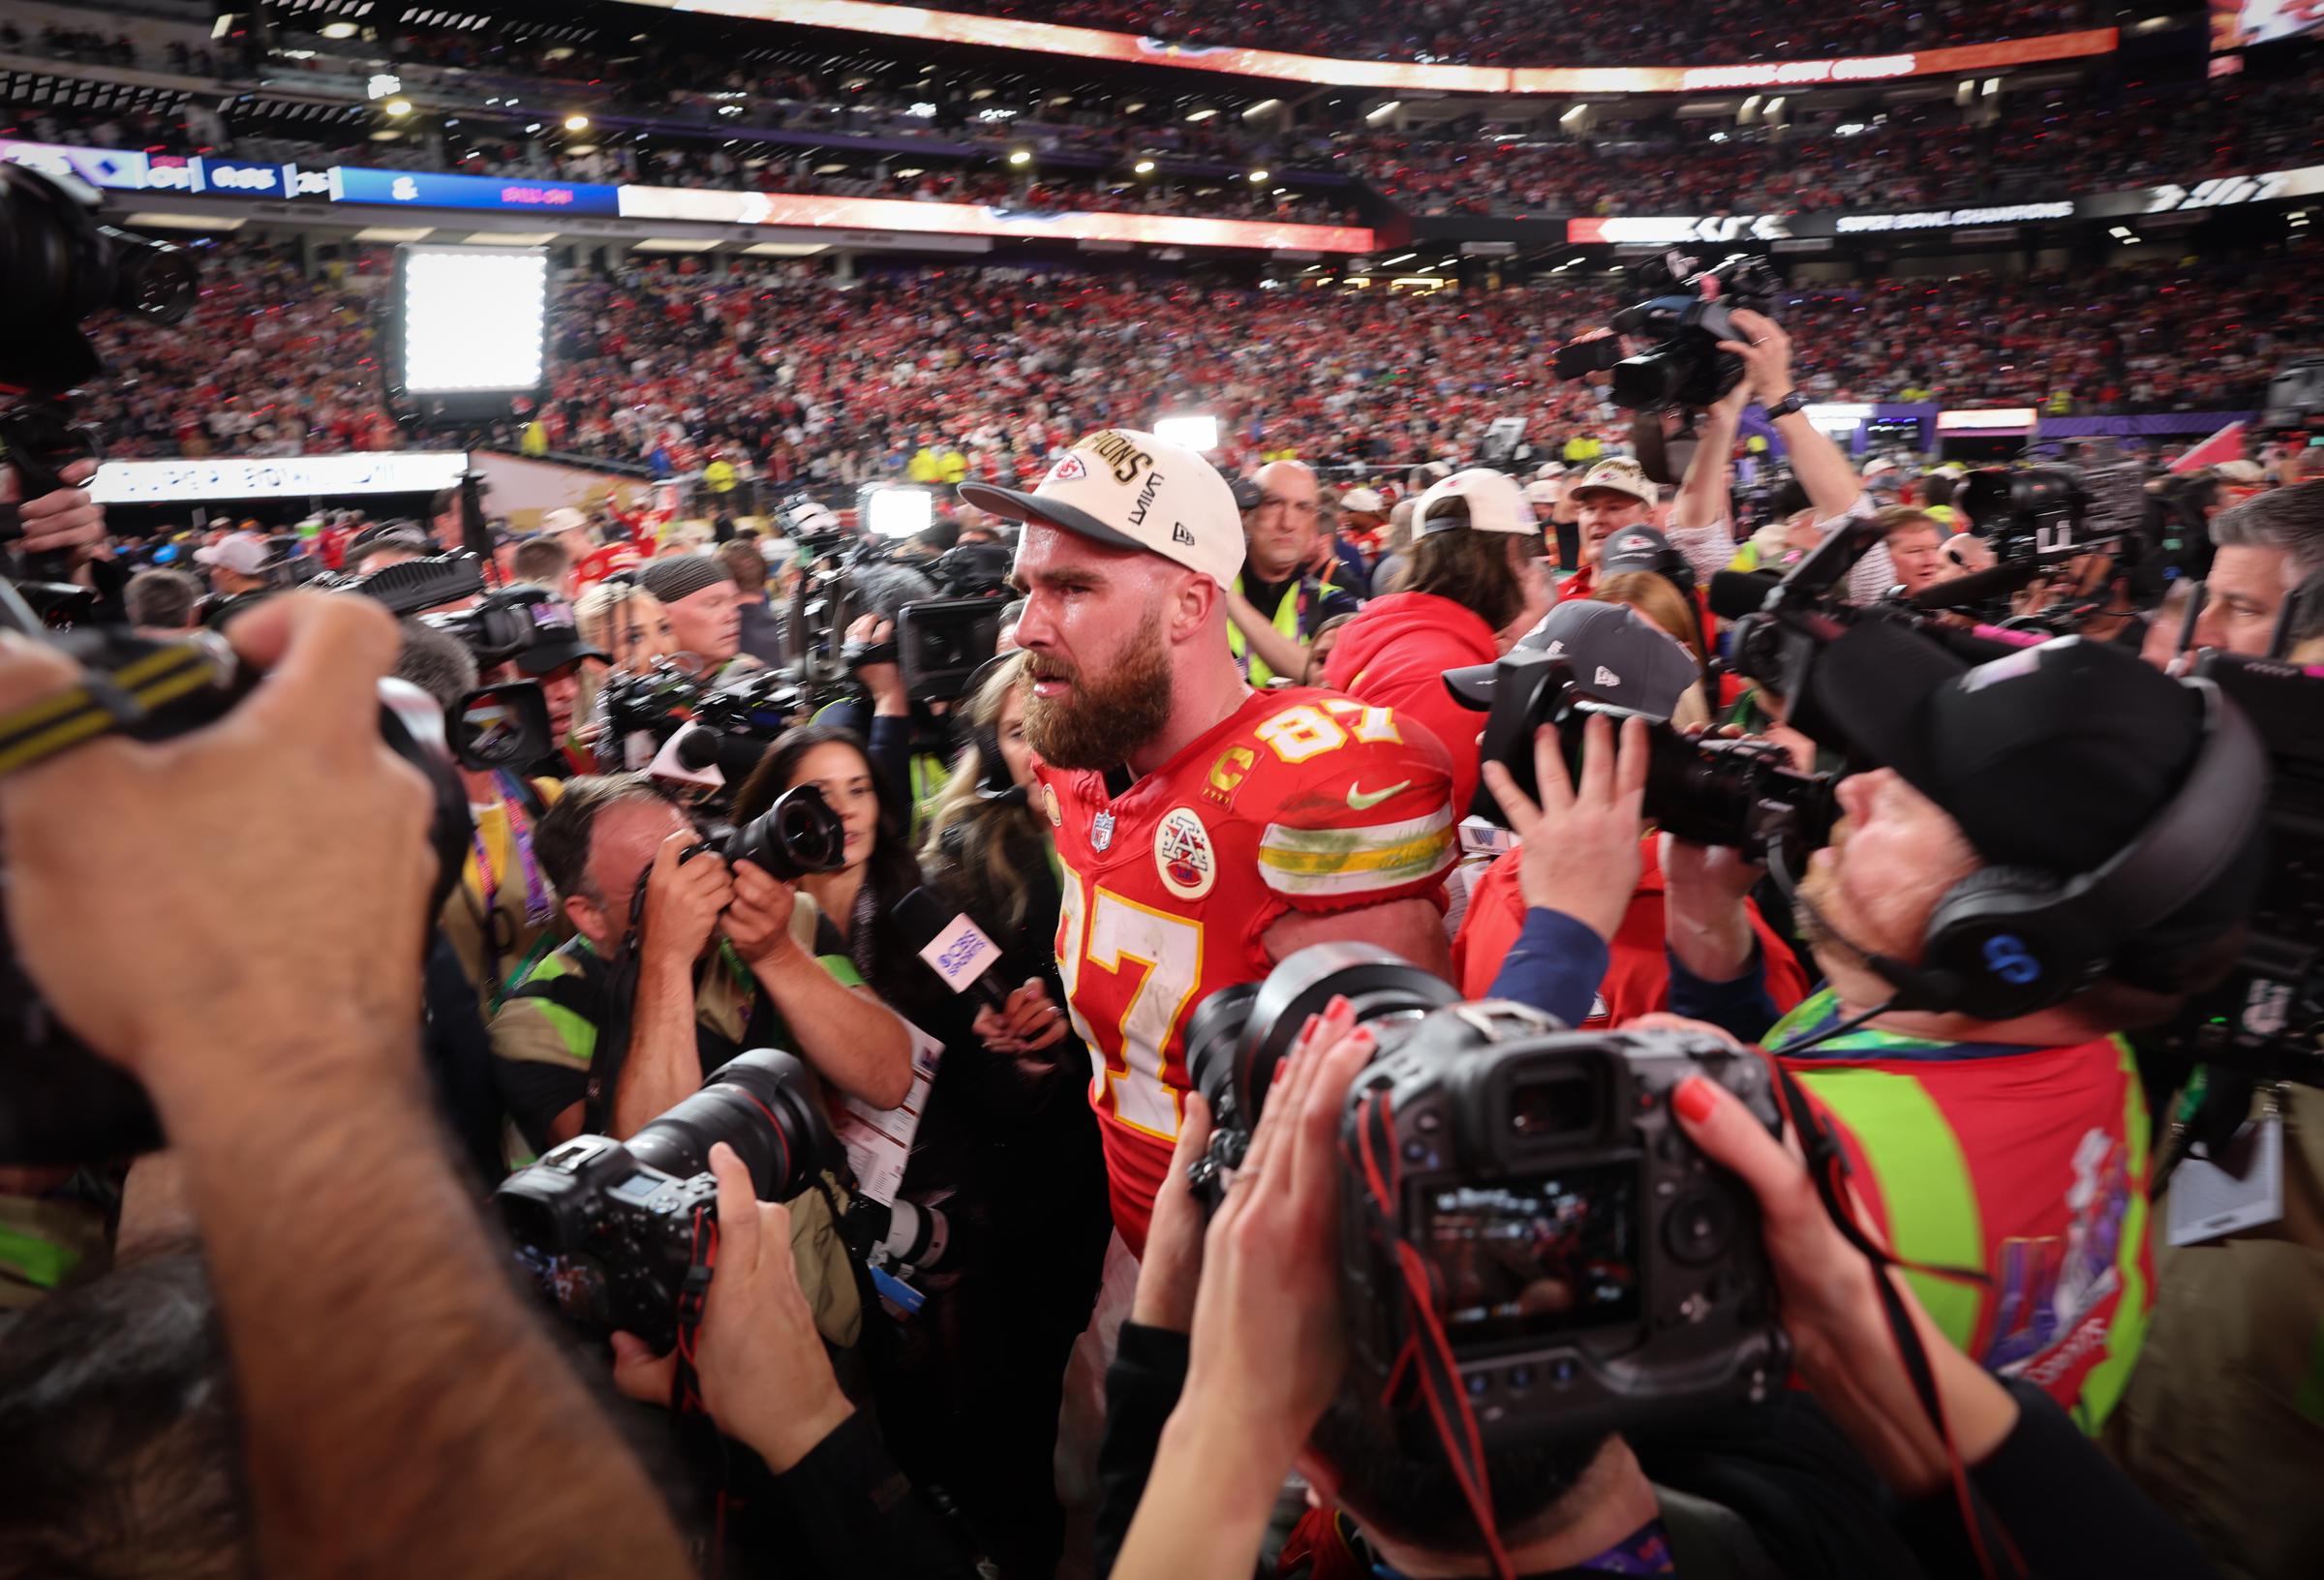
column 275, row 1024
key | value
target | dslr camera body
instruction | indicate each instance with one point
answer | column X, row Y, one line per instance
column 1522, row 1191
column 1687, row 312
column 612, row 1231
column 1743, row 794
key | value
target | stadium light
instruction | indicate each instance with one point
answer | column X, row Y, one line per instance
column 381, row 85
column 1258, row 175
column 1020, row 156
column 1197, row 431
column 1145, row 166
column 469, row 321
column 1382, row 113
column 397, row 107
column 338, row 30
column 1262, row 107
column 576, row 123
column 899, row 511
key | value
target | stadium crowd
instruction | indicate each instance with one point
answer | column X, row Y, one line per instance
column 818, row 383
column 1595, row 33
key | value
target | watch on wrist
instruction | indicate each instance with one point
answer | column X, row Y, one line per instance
column 1786, row 407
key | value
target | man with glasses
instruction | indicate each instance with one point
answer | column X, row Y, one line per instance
column 1276, row 604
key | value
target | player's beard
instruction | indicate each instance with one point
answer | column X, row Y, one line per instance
column 1104, row 717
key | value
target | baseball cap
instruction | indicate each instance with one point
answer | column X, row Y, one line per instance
column 244, row 554
column 1126, row 488
column 1875, row 466
column 1542, row 493
column 556, row 639
column 1619, row 475
column 1616, row 653
column 1480, row 500
column 563, row 519
column 2053, row 758
column 681, row 576
column 1362, row 502
column 1552, row 469
column 1633, row 548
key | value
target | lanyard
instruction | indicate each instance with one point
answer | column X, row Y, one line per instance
column 538, row 905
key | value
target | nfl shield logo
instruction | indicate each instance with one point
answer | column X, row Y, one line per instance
column 1101, row 831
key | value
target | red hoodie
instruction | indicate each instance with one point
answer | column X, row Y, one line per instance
column 1395, row 656
column 1638, row 974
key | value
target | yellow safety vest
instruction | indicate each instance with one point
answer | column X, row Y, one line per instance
column 1285, row 618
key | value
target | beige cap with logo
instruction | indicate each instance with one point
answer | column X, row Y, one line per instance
column 1128, row 489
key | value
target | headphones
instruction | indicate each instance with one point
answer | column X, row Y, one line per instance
column 2009, row 941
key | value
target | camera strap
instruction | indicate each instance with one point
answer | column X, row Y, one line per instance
column 612, row 1049
column 697, row 1430
column 1827, row 1170
column 103, row 702
column 1426, row 1362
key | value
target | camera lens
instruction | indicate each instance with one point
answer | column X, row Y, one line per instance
column 763, row 1104
column 799, row 834
column 1698, row 1228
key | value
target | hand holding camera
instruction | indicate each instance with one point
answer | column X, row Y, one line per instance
column 64, row 521
column 686, row 890
column 765, row 1378
column 757, row 921
column 235, row 964
column 1580, row 847
column 1766, row 353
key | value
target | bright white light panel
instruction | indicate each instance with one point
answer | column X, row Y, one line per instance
column 474, row 318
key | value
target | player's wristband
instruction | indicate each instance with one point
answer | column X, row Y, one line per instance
column 1786, row 407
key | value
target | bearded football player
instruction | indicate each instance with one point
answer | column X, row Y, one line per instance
column 1205, row 830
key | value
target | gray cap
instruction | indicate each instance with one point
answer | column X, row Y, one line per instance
column 1616, row 653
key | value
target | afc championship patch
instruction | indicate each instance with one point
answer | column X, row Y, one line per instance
column 1048, row 804
column 1183, row 854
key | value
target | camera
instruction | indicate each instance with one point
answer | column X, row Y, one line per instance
column 612, row 1231
column 1521, row 1190
column 2267, row 1017
column 410, row 586
column 1688, row 311
column 799, row 834
column 1744, row 794
column 60, row 1104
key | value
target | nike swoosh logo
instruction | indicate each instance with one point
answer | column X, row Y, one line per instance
column 1360, row 801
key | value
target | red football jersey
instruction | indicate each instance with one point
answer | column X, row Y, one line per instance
column 1304, row 800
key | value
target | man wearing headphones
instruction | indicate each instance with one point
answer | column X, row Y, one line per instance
column 2057, row 847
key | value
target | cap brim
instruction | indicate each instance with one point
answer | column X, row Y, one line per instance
column 1015, row 504
column 1581, row 494
column 1875, row 683
column 1472, row 687
column 540, row 660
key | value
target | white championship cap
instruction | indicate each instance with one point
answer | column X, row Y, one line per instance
column 1126, row 488
column 1479, row 500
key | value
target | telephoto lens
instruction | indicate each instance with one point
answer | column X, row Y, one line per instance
column 609, row 1231
column 799, row 834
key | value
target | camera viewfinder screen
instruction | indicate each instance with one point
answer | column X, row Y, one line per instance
column 1537, row 1254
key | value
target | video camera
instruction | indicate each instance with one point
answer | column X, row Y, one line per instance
column 1687, row 313
column 2267, row 1018
column 1521, row 1210
column 1712, row 792
column 614, row 1232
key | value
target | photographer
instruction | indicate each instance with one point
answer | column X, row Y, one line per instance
column 1234, row 1369
column 704, row 608
column 1992, row 1113
column 1568, row 900
column 2265, row 547
column 274, row 1026
column 719, row 969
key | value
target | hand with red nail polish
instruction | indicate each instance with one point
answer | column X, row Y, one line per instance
column 1830, row 1307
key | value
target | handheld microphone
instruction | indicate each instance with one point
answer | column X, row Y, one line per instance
column 954, row 946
